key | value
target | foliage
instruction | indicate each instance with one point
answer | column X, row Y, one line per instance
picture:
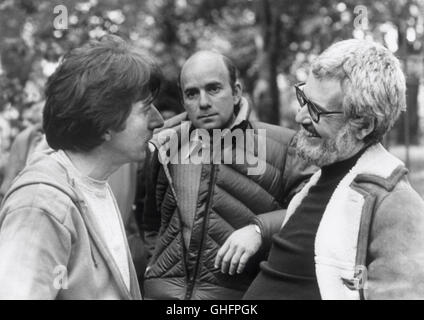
column 171, row 30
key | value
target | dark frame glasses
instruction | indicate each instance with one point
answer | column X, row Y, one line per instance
column 313, row 108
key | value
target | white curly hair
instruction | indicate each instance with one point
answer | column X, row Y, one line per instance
column 372, row 81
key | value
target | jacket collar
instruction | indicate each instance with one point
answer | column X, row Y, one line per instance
column 377, row 161
column 375, row 165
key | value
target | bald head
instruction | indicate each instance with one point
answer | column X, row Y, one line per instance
column 207, row 57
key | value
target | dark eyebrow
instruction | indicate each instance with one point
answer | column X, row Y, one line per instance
column 146, row 106
column 149, row 100
column 214, row 83
column 190, row 89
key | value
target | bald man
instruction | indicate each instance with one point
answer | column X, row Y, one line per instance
column 192, row 207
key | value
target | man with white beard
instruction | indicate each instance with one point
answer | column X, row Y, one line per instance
column 356, row 229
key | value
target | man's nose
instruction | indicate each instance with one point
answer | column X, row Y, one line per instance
column 204, row 102
column 155, row 119
column 302, row 115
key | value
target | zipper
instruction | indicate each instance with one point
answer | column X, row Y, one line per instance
column 174, row 193
column 192, row 280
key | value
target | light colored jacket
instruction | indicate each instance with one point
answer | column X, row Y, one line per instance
column 50, row 245
column 369, row 243
column 122, row 181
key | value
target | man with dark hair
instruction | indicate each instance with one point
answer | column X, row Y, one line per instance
column 356, row 230
column 61, row 234
column 196, row 206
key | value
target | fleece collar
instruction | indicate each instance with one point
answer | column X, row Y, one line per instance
column 376, row 162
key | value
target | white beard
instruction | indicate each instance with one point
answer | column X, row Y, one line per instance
column 329, row 150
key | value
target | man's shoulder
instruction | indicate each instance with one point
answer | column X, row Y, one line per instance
column 396, row 207
column 42, row 185
column 402, row 199
column 379, row 172
column 39, row 197
column 395, row 244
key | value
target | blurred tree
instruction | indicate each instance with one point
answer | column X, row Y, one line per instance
column 267, row 39
column 267, row 94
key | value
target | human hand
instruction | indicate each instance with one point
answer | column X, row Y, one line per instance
column 237, row 249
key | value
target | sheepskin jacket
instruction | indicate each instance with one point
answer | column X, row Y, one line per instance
column 369, row 241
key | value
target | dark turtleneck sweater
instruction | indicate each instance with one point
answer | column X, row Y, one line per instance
column 289, row 272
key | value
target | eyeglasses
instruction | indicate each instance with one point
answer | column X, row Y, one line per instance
column 313, row 108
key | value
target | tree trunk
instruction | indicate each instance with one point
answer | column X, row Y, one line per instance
column 412, row 87
column 266, row 93
column 407, row 127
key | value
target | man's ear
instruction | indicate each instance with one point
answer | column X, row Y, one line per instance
column 365, row 128
column 107, row 136
column 237, row 92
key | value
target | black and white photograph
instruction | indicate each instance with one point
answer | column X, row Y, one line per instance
column 230, row 152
